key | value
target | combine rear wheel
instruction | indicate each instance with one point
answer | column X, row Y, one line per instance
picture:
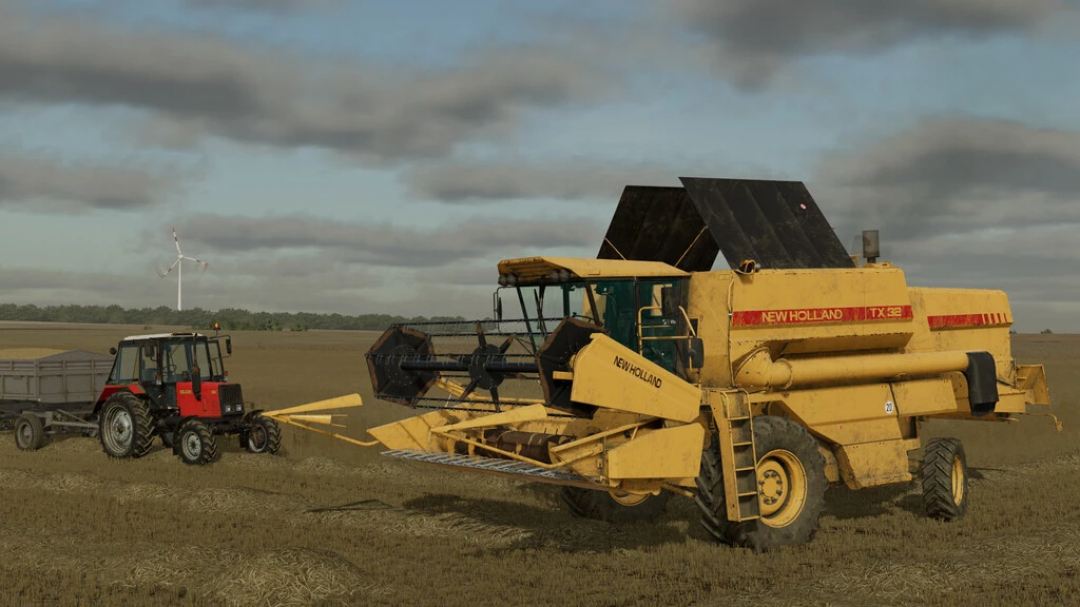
column 126, row 428
column 195, row 443
column 263, row 436
column 29, row 432
column 791, row 488
column 614, row 507
column 944, row 479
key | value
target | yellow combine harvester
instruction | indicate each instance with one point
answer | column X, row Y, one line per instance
column 749, row 389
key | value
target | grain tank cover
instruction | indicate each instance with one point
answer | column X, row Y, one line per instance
column 776, row 223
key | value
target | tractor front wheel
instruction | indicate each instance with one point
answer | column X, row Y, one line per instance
column 614, row 507
column 29, row 432
column 195, row 443
column 944, row 479
column 263, row 435
column 791, row 486
column 125, row 428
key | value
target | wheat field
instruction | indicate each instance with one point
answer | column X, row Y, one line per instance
column 326, row 523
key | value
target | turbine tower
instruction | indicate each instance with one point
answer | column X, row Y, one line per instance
column 178, row 264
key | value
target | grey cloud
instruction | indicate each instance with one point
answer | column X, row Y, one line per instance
column 755, row 38
column 202, row 86
column 389, row 245
column 256, row 4
column 955, row 175
column 56, row 186
column 472, row 182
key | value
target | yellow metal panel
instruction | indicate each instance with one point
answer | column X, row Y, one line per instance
column 844, row 415
column 513, row 416
column 708, row 303
column 529, row 268
column 610, row 375
column 666, row 453
column 760, row 371
column 414, row 432
column 805, row 311
column 924, row 396
column 874, row 464
column 1032, row 379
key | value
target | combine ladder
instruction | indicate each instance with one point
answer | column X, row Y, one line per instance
column 735, row 427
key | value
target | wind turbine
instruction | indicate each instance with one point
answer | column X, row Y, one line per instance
column 179, row 265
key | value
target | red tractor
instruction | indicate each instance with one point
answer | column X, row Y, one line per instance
column 175, row 386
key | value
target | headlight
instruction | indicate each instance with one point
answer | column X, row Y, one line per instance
column 228, row 408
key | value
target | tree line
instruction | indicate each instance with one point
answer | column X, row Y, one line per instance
column 230, row 319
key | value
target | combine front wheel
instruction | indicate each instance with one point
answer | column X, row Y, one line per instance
column 125, row 428
column 195, row 443
column 791, row 488
column 263, row 436
column 944, row 479
column 615, row 507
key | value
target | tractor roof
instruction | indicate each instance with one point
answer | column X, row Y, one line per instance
column 160, row 336
column 531, row 269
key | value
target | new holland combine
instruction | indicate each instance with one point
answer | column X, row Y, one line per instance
column 644, row 373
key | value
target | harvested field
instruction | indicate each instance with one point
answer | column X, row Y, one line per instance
column 331, row 524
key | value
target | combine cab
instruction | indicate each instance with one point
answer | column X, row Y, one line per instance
column 644, row 373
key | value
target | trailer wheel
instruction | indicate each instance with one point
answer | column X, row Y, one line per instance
column 618, row 508
column 126, row 428
column 195, row 443
column 29, row 432
column 791, row 488
column 263, row 435
column 944, row 479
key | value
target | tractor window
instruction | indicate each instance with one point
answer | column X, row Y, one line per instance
column 148, row 365
column 202, row 351
column 215, row 359
column 177, row 362
column 126, row 368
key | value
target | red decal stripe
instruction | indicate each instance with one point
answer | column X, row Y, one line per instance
column 755, row 318
column 946, row 321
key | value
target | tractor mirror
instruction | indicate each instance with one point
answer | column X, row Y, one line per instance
column 498, row 308
column 697, row 352
column 196, row 382
column 669, row 304
column 112, row 351
column 228, row 345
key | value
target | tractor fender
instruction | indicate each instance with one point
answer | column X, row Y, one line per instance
column 109, row 391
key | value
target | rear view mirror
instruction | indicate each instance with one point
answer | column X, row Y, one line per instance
column 697, row 352
column 669, row 304
column 228, row 345
column 112, row 351
column 196, row 382
column 498, row 308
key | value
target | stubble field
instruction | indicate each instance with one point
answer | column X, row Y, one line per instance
column 331, row 524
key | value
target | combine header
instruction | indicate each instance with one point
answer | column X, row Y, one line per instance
column 644, row 373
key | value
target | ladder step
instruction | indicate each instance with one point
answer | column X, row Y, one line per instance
column 742, row 444
column 748, row 494
column 750, row 469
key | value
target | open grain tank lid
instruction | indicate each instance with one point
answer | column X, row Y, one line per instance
column 775, row 223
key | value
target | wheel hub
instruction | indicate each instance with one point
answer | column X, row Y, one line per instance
column 782, row 488
column 192, row 445
column 122, row 428
column 258, row 438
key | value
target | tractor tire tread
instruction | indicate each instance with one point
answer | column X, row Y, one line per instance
column 936, row 472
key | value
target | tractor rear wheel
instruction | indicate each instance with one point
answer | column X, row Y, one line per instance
column 195, row 443
column 262, row 436
column 791, row 488
column 126, row 428
column 944, row 479
column 618, row 508
column 29, row 432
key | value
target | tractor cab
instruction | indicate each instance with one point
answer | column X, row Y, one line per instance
column 180, row 372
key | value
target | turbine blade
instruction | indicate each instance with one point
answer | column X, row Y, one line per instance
column 176, row 239
column 166, row 272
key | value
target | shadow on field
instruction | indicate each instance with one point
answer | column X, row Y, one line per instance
column 545, row 527
column 844, row 504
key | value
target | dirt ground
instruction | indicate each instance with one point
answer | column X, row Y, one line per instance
column 331, row 524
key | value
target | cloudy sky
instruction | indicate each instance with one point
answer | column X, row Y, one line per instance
column 354, row 156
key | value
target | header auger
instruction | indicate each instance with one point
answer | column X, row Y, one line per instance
column 644, row 373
